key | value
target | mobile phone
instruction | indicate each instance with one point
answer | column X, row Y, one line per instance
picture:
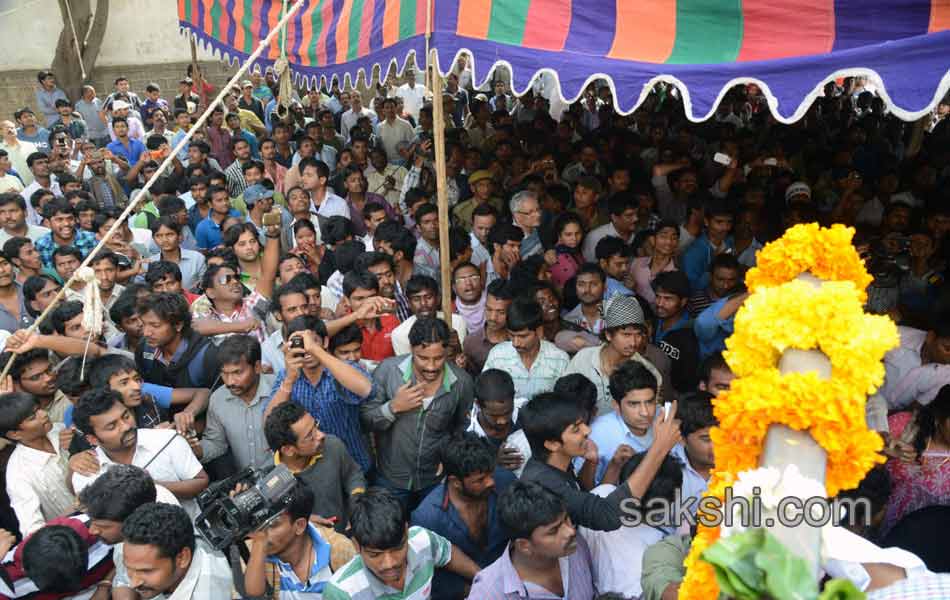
column 666, row 411
column 722, row 159
column 271, row 218
column 296, row 342
column 770, row 162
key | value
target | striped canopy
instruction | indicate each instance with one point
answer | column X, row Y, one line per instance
column 702, row 46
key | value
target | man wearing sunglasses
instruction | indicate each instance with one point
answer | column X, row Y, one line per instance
column 228, row 311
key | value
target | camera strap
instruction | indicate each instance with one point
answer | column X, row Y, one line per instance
column 162, row 449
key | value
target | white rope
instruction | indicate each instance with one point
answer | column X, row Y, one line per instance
column 72, row 26
column 225, row 89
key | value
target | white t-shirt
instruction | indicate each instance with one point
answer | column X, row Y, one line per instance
column 172, row 462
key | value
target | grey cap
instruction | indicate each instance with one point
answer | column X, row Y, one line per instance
column 621, row 311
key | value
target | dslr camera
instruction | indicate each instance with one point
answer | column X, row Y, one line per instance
column 226, row 518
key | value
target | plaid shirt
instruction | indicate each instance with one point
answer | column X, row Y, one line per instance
column 922, row 587
column 546, row 368
column 83, row 240
column 426, row 260
column 336, row 408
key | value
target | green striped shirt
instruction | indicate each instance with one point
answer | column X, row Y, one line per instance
column 427, row 550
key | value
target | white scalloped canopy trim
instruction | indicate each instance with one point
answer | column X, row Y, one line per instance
column 351, row 79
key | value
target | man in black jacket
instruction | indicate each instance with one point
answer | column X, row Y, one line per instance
column 674, row 329
column 171, row 353
column 557, row 430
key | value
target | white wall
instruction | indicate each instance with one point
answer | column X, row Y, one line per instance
column 138, row 32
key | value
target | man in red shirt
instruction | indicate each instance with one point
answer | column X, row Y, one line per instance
column 375, row 315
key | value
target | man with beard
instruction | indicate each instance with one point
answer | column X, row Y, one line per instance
column 480, row 341
column 544, row 557
column 384, row 178
column 426, row 259
column 330, row 389
column 63, row 232
column 246, row 243
column 320, row 460
column 109, row 426
column 674, row 329
column 23, row 256
column 172, row 354
column 395, row 240
column 725, row 276
column 423, row 294
column 13, row 219
column 233, row 420
column 294, row 556
column 591, row 282
column 163, row 560
column 395, row 561
column 533, row 362
column 383, row 266
column 505, row 241
column 420, row 400
column 109, row 501
column 472, row 485
column 13, row 313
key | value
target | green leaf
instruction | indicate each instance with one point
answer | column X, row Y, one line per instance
column 733, row 559
column 841, row 589
column 787, row 576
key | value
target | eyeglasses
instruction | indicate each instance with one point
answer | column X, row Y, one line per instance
column 227, row 278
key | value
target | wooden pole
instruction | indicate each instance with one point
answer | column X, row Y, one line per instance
column 438, row 131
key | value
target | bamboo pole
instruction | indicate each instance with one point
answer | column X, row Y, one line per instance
column 161, row 169
column 438, row 131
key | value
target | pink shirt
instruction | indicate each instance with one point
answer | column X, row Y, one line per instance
column 643, row 278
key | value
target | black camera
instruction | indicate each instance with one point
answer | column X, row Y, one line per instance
column 227, row 519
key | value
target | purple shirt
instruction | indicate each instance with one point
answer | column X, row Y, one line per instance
column 500, row 580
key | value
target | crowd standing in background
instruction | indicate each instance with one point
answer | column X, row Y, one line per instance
column 274, row 298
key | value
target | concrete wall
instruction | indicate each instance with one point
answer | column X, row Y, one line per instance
column 142, row 42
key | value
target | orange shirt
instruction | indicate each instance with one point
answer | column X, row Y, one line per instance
column 377, row 343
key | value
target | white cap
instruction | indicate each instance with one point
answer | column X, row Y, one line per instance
column 120, row 105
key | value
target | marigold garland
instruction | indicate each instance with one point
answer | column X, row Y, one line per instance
column 784, row 313
column 826, row 253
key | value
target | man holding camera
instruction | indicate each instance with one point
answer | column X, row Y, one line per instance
column 330, row 389
column 292, row 558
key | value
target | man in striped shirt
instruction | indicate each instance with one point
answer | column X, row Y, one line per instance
column 395, row 561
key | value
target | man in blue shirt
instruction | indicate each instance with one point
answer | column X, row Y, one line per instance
column 124, row 149
column 612, row 256
column 63, row 232
column 208, row 232
column 716, row 323
column 714, row 241
column 468, row 496
column 30, row 131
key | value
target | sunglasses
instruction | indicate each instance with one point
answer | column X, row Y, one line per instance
column 228, row 278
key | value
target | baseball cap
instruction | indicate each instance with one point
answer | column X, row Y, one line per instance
column 120, row 105
column 479, row 175
column 675, row 282
column 622, row 311
column 187, row 81
column 796, row 189
column 255, row 193
column 246, row 83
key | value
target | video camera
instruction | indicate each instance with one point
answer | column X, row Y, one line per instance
column 226, row 519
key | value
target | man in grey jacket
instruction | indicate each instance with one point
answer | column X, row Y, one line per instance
column 420, row 401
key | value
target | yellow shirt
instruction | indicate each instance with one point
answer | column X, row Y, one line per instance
column 249, row 120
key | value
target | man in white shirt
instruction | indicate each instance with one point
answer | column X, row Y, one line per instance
column 392, row 130
column 617, row 555
column 313, row 178
column 357, row 110
column 8, row 182
column 17, row 150
column 110, row 427
column 164, row 560
column 422, row 292
column 412, row 94
column 13, row 220
column 36, row 472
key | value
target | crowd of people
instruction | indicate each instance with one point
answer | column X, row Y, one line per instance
column 274, row 299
